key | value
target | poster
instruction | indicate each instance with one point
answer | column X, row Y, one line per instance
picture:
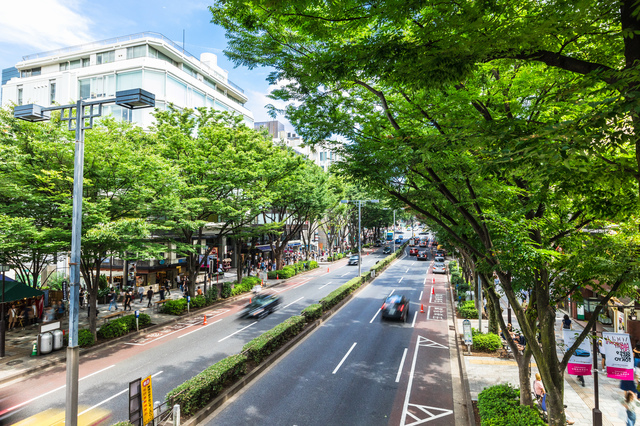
column 147, row 401
column 619, row 354
column 581, row 361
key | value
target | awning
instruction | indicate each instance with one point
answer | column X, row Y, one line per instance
column 264, row 247
column 294, row 243
column 13, row 290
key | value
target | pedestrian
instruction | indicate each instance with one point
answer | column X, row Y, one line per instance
column 81, row 297
column 113, row 299
column 149, row 296
column 140, row 294
column 13, row 316
column 199, row 291
column 167, row 285
column 161, row 293
column 629, row 403
column 566, row 322
column 538, row 387
column 60, row 310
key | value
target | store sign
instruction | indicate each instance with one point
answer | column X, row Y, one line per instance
column 147, row 401
column 581, row 361
column 468, row 335
column 619, row 354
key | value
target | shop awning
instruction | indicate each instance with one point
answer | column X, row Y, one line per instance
column 264, row 247
column 14, row 290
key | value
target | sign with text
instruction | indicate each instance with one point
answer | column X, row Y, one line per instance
column 617, row 347
column 147, row 401
column 468, row 336
column 581, row 361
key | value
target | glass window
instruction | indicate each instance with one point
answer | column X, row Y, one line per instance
column 64, row 66
column 136, row 51
column 129, row 80
column 209, row 102
column 105, row 57
column 154, row 82
column 176, row 91
column 189, row 70
column 97, row 87
column 155, row 53
column 75, row 64
column 31, row 72
column 209, row 83
column 19, row 95
column 85, row 62
column 52, row 91
column 220, row 106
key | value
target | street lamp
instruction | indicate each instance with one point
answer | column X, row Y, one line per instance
column 359, row 202
column 3, row 269
column 79, row 117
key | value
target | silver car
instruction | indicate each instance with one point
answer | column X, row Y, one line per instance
column 439, row 268
column 353, row 260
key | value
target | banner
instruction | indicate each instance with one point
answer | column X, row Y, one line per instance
column 147, row 400
column 617, row 347
column 581, row 361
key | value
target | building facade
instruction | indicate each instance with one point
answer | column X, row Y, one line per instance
column 145, row 60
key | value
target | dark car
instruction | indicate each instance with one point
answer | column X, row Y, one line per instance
column 377, row 244
column 353, row 260
column 413, row 252
column 423, row 255
column 439, row 258
column 423, row 243
column 398, row 240
column 440, row 253
column 395, row 306
column 386, row 250
column 261, row 305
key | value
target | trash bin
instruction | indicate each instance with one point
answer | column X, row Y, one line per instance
column 57, row 339
column 46, row 343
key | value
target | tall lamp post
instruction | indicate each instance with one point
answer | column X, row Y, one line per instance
column 79, row 117
column 3, row 269
column 359, row 202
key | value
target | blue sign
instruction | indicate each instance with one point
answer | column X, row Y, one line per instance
column 137, row 314
column 188, row 299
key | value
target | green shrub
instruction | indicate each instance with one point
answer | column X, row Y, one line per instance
column 468, row 309
column 313, row 264
column 269, row 341
column 500, row 406
column 85, row 338
column 113, row 329
column 247, row 284
column 197, row 392
column 340, row 293
column 175, row 307
column 226, row 290
column 130, row 321
column 312, row 312
column 212, row 295
column 488, row 342
column 198, row 302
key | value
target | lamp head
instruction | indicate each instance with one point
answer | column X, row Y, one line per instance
column 31, row 112
column 135, row 99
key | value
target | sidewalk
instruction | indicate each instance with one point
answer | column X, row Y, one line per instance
column 488, row 371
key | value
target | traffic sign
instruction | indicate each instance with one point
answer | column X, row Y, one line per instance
column 468, row 336
column 147, row 401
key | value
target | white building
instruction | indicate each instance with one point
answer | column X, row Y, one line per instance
column 145, row 60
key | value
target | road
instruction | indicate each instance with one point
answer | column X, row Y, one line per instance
column 171, row 354
column 356, row 369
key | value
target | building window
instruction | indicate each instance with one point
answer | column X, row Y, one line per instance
column 52, row 91
column 85, row 62
column 155, row 53
column 136, row 51
column 31, row 73
column 75, row 64
column 19, row 95
column 97, row 87
column 105, row 57
column 64, row 66
column 189, row 71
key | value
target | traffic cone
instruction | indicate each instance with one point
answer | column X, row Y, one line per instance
column 249, row 300
column 422, row 308
column 277, row 277
column 205, row 320
column 261, row 283
column 327, row 270
column 34, row 351
column 433, row 290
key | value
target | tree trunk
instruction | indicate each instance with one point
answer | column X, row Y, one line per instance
column 239, row 260
column 524, row 375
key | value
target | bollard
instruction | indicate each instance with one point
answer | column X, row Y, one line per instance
column 176, row 415
column 156, row 412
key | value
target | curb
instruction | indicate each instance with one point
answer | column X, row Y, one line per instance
column 218, row 401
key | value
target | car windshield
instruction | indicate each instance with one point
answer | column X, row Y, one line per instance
column 354, row 257
column 439, row 265
column 393, row 299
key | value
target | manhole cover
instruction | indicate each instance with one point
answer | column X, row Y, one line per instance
column 15, row 362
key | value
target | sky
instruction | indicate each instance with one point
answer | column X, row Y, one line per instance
column 33, row 26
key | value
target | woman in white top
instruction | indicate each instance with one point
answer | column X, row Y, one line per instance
column 13, row 316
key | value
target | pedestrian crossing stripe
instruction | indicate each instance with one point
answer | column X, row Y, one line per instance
column 426, row 343
column 431, row 413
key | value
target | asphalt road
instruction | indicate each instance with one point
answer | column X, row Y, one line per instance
column 171, row 355
column 359, row 370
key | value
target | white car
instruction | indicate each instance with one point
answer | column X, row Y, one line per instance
column 439, row 268
column 353, row 260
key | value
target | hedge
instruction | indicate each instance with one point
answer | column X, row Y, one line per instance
column 225, row 292
column 284, row 273
column 175, row 307
column 340, row 293
column 500, row 406
column 247, row 284
column 197, row 392
column 269, row 341
column 489, row 342
column 85, row 338
column 468, row 309
column 121, row 326
column 312, row 312
column 313, row 264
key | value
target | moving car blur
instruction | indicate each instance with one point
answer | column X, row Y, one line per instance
column 262, row 304
column 395, row 306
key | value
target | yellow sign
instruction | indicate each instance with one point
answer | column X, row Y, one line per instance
column 147, row 401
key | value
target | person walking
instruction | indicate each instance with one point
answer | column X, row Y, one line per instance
column 566, row 322
column 149, row 296
column 140, row 294
column 538, row 387
column 602, row 354
column 113, row 299
column 127, row 301
column 161, row 293
column 629, row 403
column 167, row 286
column 81, row 297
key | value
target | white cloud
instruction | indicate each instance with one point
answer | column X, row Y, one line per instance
column 44, row 24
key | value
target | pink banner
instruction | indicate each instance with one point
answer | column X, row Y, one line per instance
column 619, row 373
column 579, row 369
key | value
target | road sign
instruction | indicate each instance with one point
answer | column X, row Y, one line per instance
column 147, row 401
column 135, row 409
column 468, row 336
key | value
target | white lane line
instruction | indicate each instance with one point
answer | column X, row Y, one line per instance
column 374, row 317
column 420, row 298
column 243, row 328
column 407, row 271
column 391, row 292
column 111, row 397
column 198, row 329
column 415, row 315
column 408, row 394
column 344, row 358
column 400, row 280
column 429, row 312
column 293, row 302
column 347, row 273
column 324, row 285
column 425, row 281
column 431, row 294
column 158, row 338
column 404, row 355
column 50, row 392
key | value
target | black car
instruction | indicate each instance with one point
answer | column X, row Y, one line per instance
column 423, row 255
column 261, row 305
column 377, row 244
column 395, row 306
column 386, row 250
column 439, row 258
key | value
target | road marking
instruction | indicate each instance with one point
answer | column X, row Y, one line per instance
column 243, row 328
column 50, row 392
column 407, row 271
column 431, row 295
column 400, row 280
column 344, row 358
column 347, row 273
column 404, row 355
column 114, row 396
column 324, row 285
column 415, row 315
column 391, row 292
column 420, row 298
column 293, row 302
column 425, row 281
column 198, row 329
column 374, row 317
column 429, row 312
